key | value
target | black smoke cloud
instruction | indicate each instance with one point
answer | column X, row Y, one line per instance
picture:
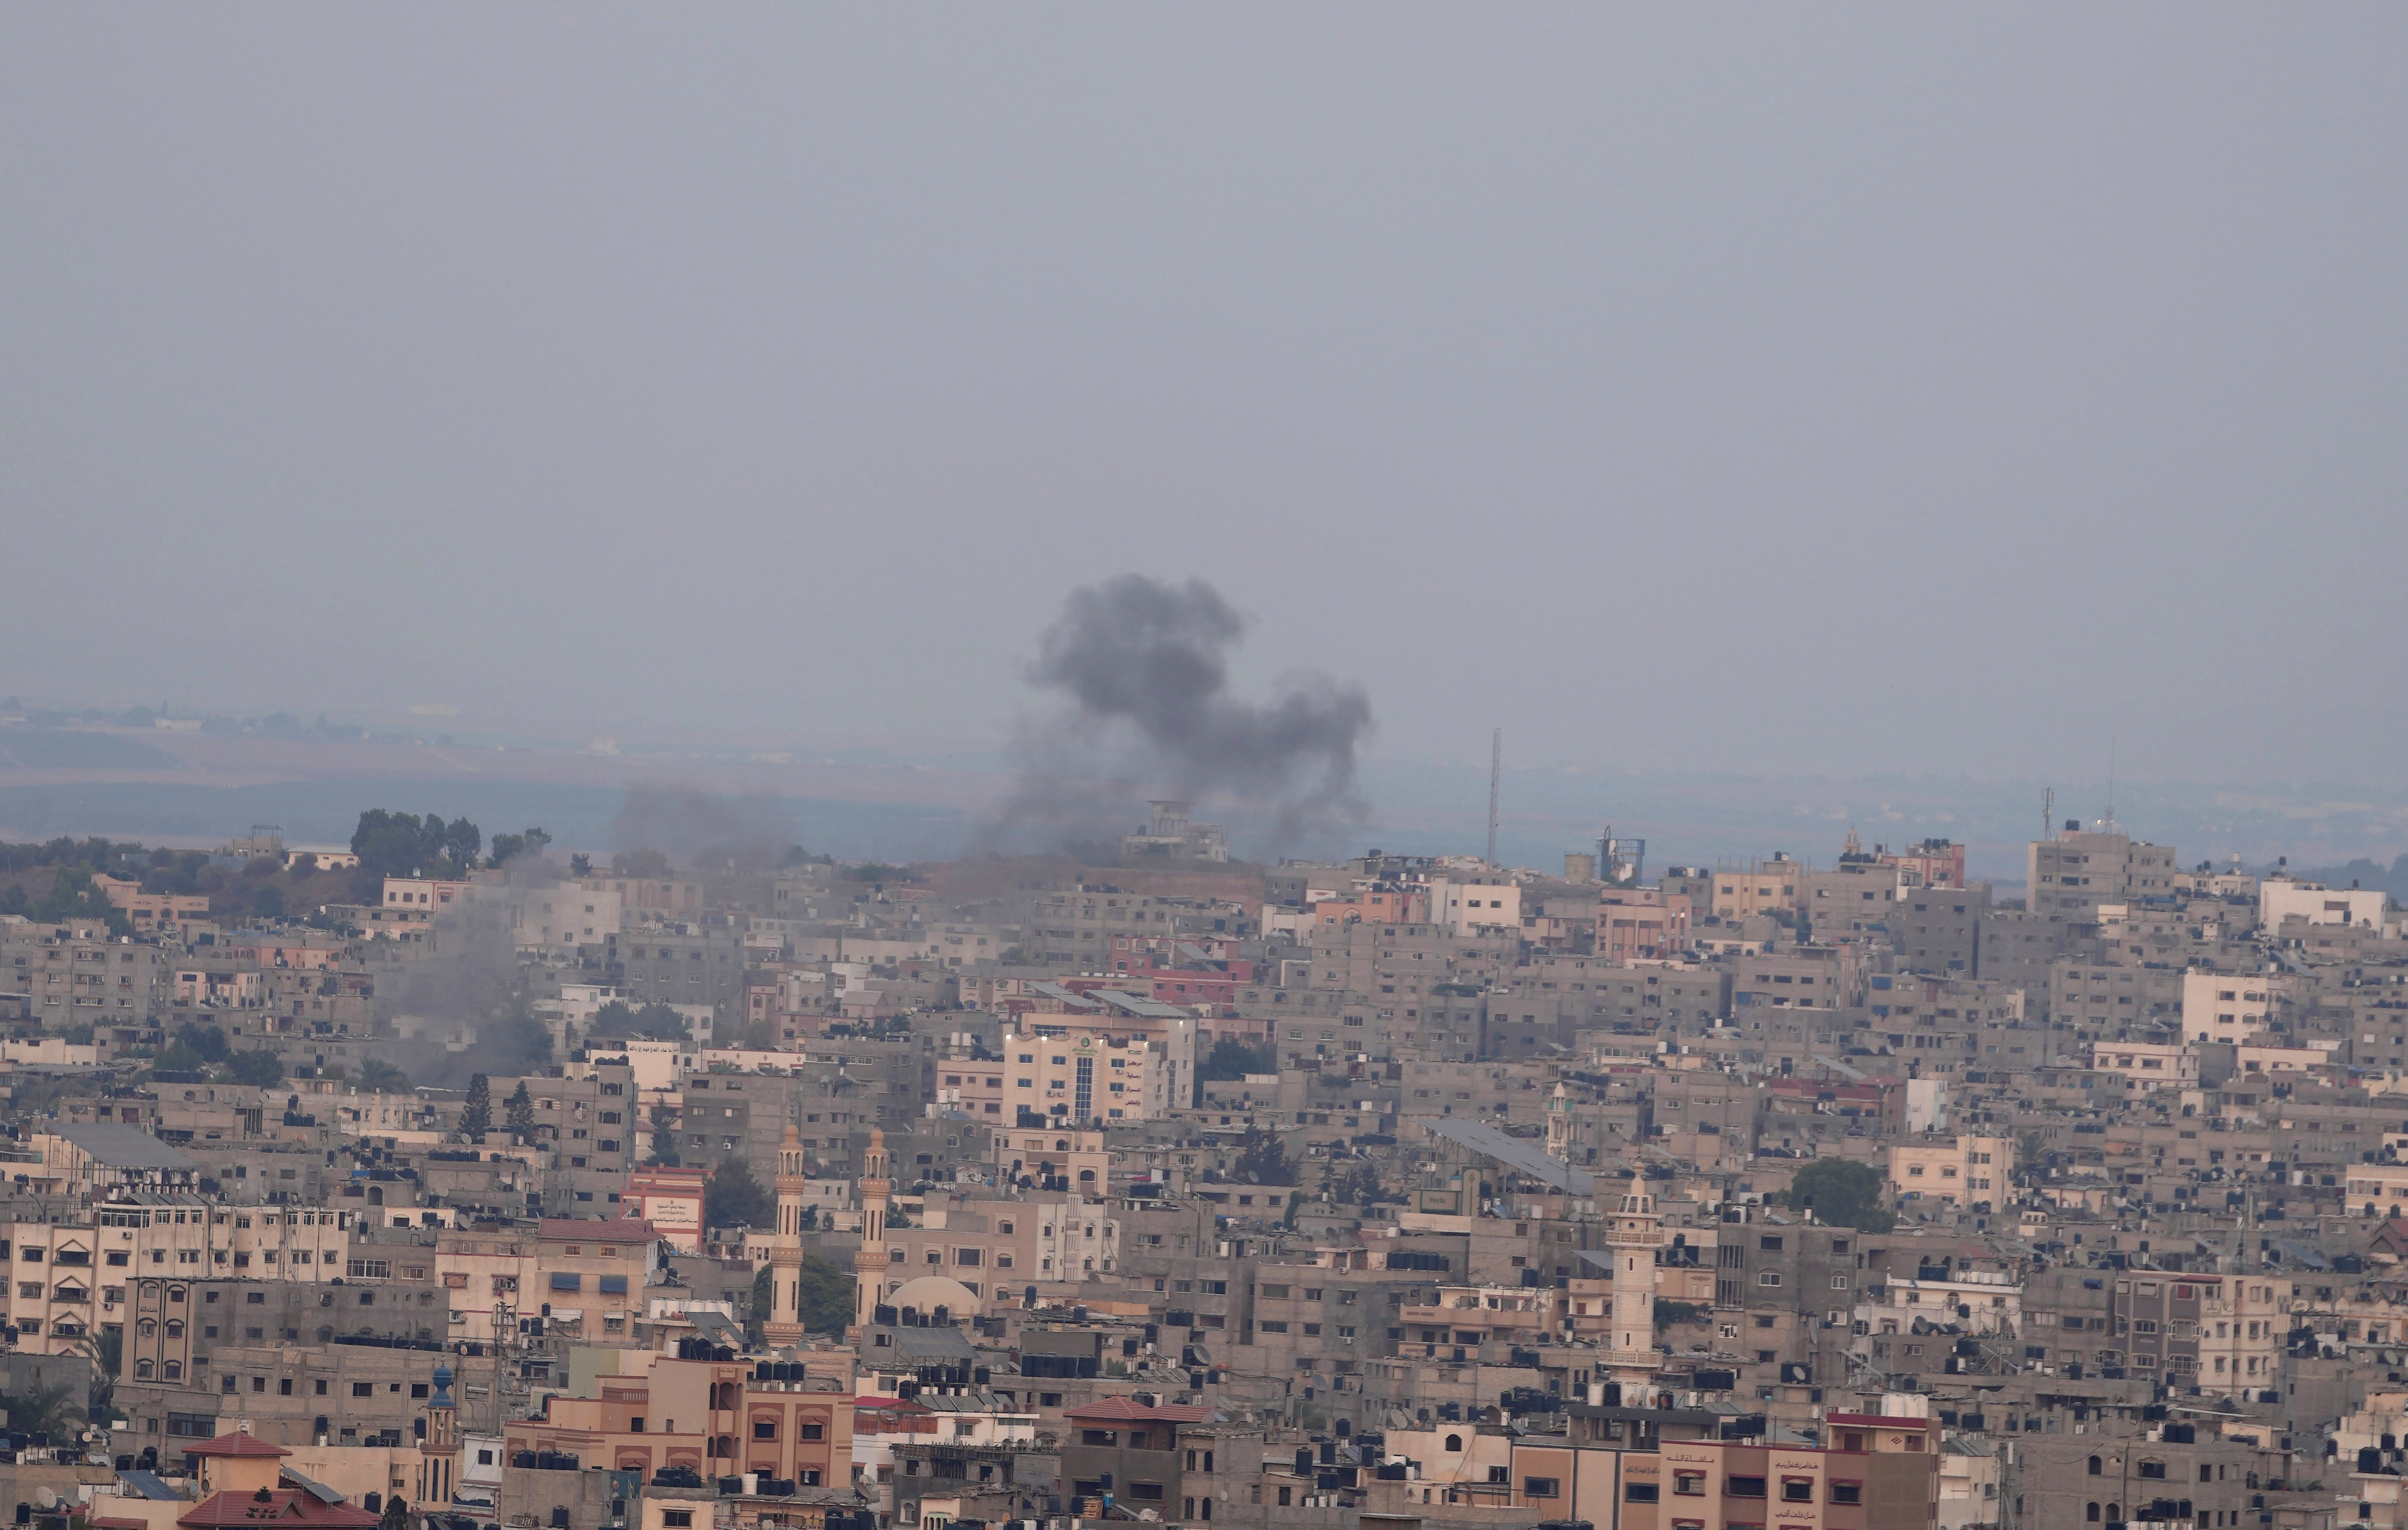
column 1144, row 665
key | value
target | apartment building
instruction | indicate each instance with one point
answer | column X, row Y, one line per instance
column 1856, row 901
column 2072, row 875
column 1954, row 1170
column 1641, row 923
column 1768, row 887
column 70, row 975
column 1073, row 1071
column 792, row 1424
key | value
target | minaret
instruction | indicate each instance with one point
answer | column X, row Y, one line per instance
column 1560, row 1125
column 1633, row 1233
column 869, row 1262
column 784, row 1324
column 438, row 1454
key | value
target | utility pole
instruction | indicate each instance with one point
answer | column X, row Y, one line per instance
column 1495, row 768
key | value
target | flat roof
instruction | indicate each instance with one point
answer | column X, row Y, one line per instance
column 121, row 1146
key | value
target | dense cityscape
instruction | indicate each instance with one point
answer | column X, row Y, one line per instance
column 438, row 1174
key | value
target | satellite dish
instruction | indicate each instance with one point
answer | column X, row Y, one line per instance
column 46, row 1499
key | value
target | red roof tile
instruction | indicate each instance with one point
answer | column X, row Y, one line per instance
column 281, row 1506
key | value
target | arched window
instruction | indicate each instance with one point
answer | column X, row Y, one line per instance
column 1454, row 1443
column 172, row 1370
column 2114, row 1514
column 175, row 1327
column 2091, row 1514
column 149, row 1329
column 142, row 1370
column 2094, row 1465
column 175, row 1293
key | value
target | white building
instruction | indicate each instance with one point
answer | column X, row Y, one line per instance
column 2280, row 898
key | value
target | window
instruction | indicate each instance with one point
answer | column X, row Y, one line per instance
column 811, row 1431
column 1541, row 1487
column 363, row 1388
column 677, row 1519
column 1639, row 1493
column 765, row 1428
column 1743, row 1487
column 1688, row 1484
column 1796, row 1490
column 1847, row 1493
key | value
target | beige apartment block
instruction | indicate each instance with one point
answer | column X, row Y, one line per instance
column 1954, row 1170
column 1766, row 887
column 2077, row 872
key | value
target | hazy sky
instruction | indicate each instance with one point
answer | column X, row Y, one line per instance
column 1821, row 388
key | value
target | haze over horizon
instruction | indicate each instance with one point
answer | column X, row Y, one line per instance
column 1916, row 393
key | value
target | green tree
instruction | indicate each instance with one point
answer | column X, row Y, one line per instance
column 1233, row 1059
column 206, row 1042
column 379, row 1076
column 756, row 1311
column 1263, row 1160
column 616, row 1022
column 509, row 847
column 476, row 1113
column 663, row 1133
column 268, row 903
column 176, row 1057
column 1668, row 1312
column 518, row 1112
column 45, row 1409
column 259, row 1068
column 827, row 1296
column 77, row 1035
column 392, row 844
column 1842, row 1193
column 106, row 1350
column 580, row 865
column 396, row 1514
column 733, row 1199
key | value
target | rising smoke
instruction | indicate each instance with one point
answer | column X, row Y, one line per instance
column 702, row 829
column 1144, row 665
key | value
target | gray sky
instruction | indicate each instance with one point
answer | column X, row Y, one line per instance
column 1923, row 387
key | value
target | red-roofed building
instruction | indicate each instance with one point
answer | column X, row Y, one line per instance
column 241, row 1475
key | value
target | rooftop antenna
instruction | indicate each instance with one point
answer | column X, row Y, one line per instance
column 2110, row 784
column 2047, row 812
column 1495, row 768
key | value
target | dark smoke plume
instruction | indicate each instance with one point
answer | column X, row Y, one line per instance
column 1144, row 664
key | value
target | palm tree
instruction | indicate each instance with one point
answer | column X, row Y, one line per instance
column 42, row 1409
column 105, row 1350
column 379, row 1076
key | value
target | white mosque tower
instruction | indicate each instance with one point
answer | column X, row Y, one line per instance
column 1633, row 1231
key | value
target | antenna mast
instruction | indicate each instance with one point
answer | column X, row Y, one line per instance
column 1495, row 768
column 2047, row 812
column 2110, row 784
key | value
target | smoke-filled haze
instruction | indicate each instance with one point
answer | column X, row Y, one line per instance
column 1856, row 389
